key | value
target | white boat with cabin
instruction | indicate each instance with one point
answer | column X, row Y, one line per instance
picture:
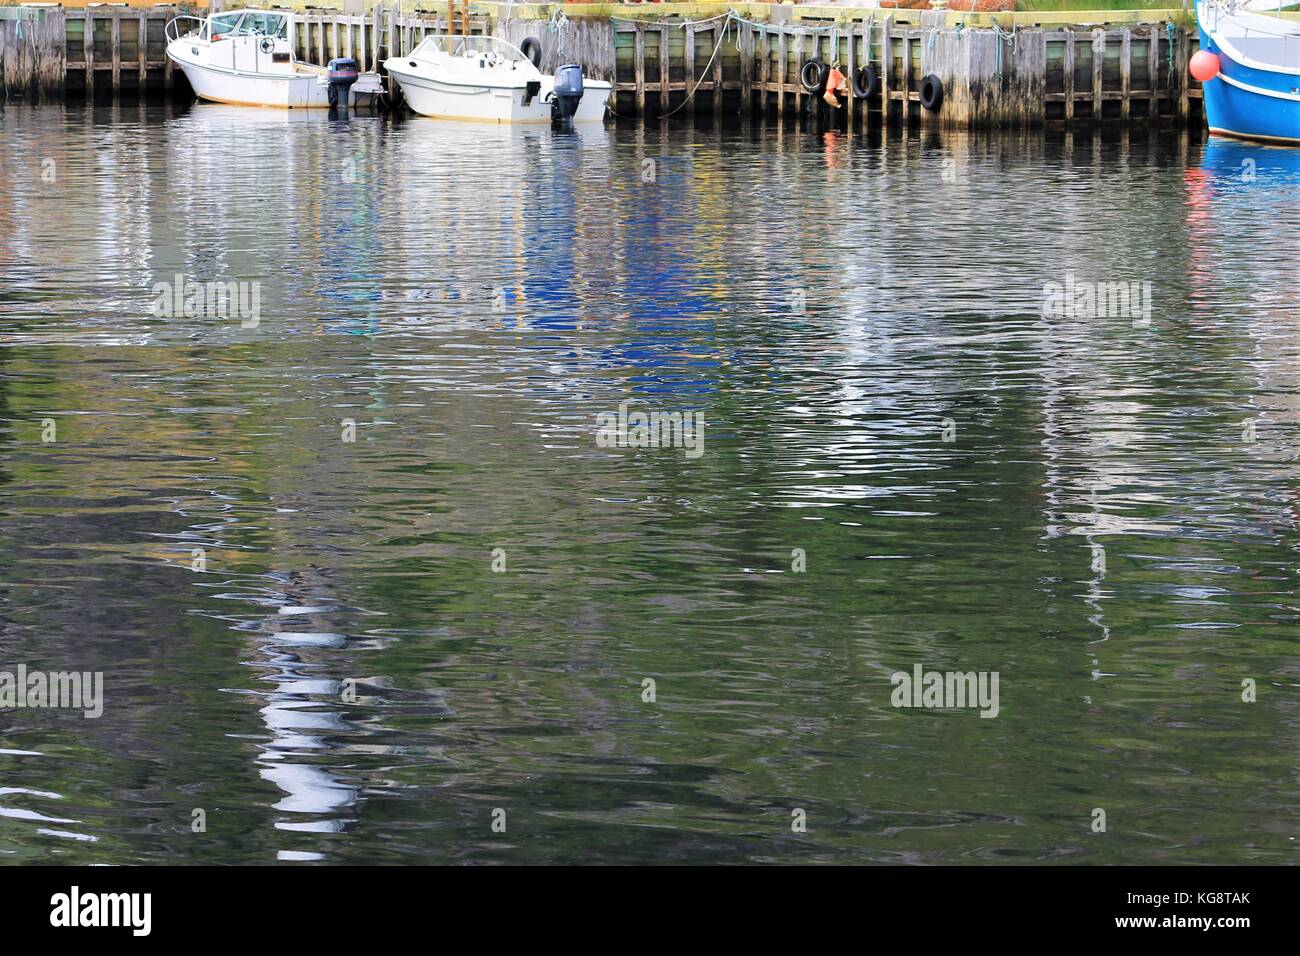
column 488, row 80
column 246, row 58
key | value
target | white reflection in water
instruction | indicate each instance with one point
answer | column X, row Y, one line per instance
column 298, row 718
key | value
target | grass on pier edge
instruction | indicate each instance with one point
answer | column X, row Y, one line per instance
column 1044, row 6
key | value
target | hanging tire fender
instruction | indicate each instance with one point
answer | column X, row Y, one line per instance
column 866, row 82
column 931, row 92
column 812, row 76
column 532, row 48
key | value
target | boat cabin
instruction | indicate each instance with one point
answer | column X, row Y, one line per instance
column 472, row 53
column 236, row 23
column 255, row 41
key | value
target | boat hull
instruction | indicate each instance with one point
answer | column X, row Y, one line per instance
column 1250, row 103
column 240, row 88
column 491, row 104
column 1249, row 98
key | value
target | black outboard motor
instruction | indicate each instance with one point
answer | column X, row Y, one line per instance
column 343, row 73
column 566, row 94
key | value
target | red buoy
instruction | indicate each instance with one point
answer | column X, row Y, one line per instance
column 1204, row 66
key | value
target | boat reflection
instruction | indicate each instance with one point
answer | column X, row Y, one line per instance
column 296, row 711
column 1231, row 161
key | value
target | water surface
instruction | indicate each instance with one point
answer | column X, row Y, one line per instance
column 304, row 637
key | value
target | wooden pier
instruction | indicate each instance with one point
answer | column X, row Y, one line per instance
column 991, row 77
column 1014, row 70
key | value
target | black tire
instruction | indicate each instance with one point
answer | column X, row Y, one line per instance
column 931, row 92
column 813, row 76
column 532, row 48
column 390, row 100
column 866, row 83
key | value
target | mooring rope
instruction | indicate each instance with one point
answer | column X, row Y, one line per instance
column 557, row 25
column 767, row 26
column 1003, row 37
column 682, row 25
column 731, row 16
column 717, row 47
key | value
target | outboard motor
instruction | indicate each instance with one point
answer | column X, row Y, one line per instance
column 566, row 94
column 343, row 73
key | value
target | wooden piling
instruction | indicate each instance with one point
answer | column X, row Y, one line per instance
column 1126, row 74
column 783, row 65
column 664, row 86
column 1180, row 66
column 850, row 100
column 1098, row 62
column 1067, row 67
column 746, row 40
column 887, row 68
column 718, row 84
column 115, row 44
column 1153, row 71
column 640, row 70
column 142, row 60
column 89, row 58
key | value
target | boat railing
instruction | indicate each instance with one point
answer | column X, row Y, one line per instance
column 1250, row 21
column 453, row 45
column 173, row 31
column 1231, row 21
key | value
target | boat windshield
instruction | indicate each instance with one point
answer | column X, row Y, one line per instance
column 249, row 23
column 493, row 47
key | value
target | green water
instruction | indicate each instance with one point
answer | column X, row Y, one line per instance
column 304, row 637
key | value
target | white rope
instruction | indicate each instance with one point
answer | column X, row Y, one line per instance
column 717, row 47
column 683, row 25
column 767, row 26
column 729, row 15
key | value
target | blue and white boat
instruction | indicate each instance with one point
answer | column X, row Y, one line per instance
column 1255, row 90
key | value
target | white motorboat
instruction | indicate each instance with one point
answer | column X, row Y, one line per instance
column 246, row 58
column 485, row 79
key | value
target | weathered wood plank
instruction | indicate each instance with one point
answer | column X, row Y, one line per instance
column 1098, row 62
column 665, row 91
column 745, row 44
column 1126, row 74
column 142, row 51
column 719, row 41
column 886, row 68
column 1182, row 79
column 115, row 51
column 639, row 66
column 90, row 50
column 851, row 99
